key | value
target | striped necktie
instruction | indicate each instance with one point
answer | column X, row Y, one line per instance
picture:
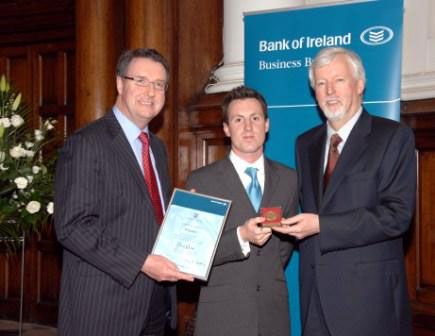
column 150, row 178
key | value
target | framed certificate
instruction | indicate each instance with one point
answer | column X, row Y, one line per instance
column 191, row 230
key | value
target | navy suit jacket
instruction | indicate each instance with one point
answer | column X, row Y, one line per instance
column 105, row 221
column 356, row 261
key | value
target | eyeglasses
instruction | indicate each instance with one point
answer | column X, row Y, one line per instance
column 158, row 85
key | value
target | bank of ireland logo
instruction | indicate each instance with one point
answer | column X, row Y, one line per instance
column 376, row 35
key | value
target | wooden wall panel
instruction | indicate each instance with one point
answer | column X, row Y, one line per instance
column 212, row 146
column 16, row 65
column 420, row 241
column 46, row 280
column 18, row 71
column 427, row 230
column 10, row 267
column 47, row 77
column 29, row 22
column 199, row 50
column 54, row 87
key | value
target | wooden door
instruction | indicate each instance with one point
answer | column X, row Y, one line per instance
column 420, row 244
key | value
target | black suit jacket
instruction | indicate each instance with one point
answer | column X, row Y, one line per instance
column 105, row 221
column 356, row 261
column 246, row 295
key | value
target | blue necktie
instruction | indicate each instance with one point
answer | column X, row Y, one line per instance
column 254, row 189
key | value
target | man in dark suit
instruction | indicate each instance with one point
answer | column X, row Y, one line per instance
column 105, row 216
column 352, row 274
column 246, row 293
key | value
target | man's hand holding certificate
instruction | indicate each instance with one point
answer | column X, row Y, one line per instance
column 191, row 231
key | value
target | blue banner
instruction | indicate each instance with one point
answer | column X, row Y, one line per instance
column 279, row 47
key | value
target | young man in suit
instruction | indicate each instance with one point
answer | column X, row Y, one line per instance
column 111, row 188
column 246, row 293
column 357, row 184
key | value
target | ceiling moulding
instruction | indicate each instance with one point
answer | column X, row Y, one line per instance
column 418, row 86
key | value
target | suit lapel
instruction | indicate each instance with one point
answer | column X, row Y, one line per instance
column 230, row 181
column 316, row 154
column 271, row 182
column 355, row 146
column 123, row 151
column 161, row 166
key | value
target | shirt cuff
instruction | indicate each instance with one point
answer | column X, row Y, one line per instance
column 243, row 244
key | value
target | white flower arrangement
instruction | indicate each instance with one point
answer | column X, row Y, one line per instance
column 26, row 182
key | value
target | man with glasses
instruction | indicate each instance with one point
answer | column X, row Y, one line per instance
column 111, row 188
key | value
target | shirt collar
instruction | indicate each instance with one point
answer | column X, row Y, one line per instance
column 345, row 130
column 130, row 129
column 241, row 164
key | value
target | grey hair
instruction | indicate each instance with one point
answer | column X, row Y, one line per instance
column 327, row 55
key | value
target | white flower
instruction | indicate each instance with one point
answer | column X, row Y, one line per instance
column 28, row 144
column 5, row 122
column 33, row 207
column 38, row 135
column 3, row 167
column 36, row 169
column 14, row 195
column 2, row 156
column 50, row 208
column 29, row 153
column 21, row 182
column 48, row 125
column 29, row 178
column 17, row 152
column 17, row 120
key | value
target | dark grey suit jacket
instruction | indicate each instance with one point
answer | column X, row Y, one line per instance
column 356, row 262
column 246, row 295
column 105, row 221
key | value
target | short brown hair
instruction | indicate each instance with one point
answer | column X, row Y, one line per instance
column 242, row 92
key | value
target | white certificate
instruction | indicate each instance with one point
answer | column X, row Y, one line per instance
column 191, row 230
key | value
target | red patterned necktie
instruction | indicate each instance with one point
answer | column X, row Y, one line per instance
column 332, row 158
column 150, row 177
